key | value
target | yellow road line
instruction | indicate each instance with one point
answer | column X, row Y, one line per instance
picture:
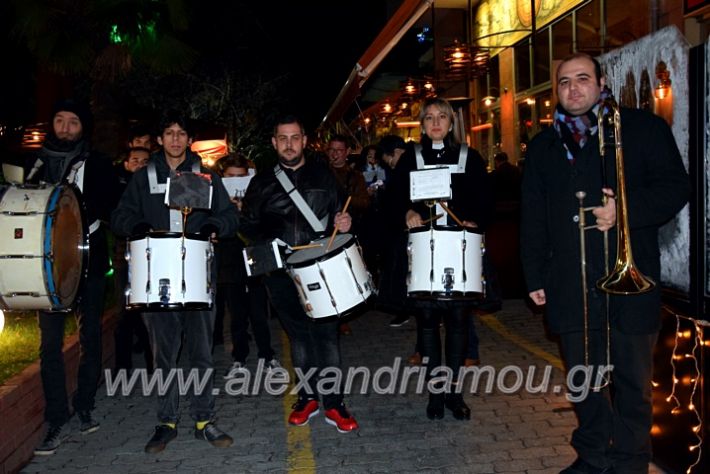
column 493, row 323
column 298, row 438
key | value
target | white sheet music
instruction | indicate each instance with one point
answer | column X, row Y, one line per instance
column 237, row 186
column 430, row 184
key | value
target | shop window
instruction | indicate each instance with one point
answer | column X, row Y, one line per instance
column 541, row 62
column 589, row 28
column 522, row 65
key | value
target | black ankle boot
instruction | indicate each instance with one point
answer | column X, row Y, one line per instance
column 455, row 403
column 435, row 407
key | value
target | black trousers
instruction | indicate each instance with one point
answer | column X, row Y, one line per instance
column 456, row 320
column 88, row 316
column 614, row 423
column 246, row 302
column 314, row 343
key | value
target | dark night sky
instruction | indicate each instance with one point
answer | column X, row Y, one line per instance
column 314, row 44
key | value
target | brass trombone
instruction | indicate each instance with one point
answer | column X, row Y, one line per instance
column 625, row 278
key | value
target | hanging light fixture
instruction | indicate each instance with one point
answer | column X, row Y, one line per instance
column 663, row 88
column 410, row 88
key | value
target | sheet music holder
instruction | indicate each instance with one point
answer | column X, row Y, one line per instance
column 431, row 184
column 187, row 190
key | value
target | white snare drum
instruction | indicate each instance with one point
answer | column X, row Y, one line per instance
column 169, row 271
column 445, row 263
column 332, row 282
column 44, row 247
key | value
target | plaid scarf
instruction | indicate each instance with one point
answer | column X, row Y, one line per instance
column 575, row 131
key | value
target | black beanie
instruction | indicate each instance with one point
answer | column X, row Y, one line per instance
column 391, row 142
column 81, row 109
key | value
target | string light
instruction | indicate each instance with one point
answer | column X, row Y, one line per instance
column 694, row 380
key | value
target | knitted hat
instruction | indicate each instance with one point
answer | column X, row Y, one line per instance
column 81, row 109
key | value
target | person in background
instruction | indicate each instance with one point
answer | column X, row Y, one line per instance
column 352, row 183
column 130, row 323
column 392, row 294
column 245, row 297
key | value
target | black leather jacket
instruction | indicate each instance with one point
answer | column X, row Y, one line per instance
column 269, row 213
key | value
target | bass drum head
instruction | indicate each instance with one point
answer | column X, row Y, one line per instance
column 70, row 245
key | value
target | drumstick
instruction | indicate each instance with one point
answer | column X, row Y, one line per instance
column 449, row 212
column 436, row 217
column 335, row 230
column 308, row 246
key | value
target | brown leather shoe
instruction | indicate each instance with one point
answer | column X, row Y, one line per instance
column 415, row 359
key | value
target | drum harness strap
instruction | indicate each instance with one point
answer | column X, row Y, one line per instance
column 159, row 188
column 75, row 177
column 298, row 201
column 458, row 168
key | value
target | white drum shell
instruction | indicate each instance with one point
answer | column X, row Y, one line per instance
column 435, row 252
column 25, row 271
column 152, row 259
column 333, row 284
column 24, row 267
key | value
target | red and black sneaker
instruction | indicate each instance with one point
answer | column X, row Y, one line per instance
column 341, row 419
column 303, row 410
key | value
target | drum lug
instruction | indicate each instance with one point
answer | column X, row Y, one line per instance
column 409, row 263
column 147, row 283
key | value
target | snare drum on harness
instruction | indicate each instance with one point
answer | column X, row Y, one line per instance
column 44, row 247
column 445, row 263
column 330, row 282
column 169, row 270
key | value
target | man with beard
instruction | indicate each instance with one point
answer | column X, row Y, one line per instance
column 268, row 213
column 66, row 157
column 142, row 209
column 614, row 419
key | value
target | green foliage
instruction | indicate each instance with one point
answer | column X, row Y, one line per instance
column 19, row 341
column 105, row 38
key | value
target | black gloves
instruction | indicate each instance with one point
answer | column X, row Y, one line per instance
column 141, row 228
column 208, row 229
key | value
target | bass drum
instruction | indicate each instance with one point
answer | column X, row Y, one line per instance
column 44, row 247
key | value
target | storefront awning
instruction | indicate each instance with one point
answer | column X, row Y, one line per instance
column 408, row 13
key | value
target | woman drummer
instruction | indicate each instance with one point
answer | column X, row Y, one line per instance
column 472, row 204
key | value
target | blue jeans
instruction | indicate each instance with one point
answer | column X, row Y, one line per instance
column 166, row 330
column 88, row 317
column 314, row 343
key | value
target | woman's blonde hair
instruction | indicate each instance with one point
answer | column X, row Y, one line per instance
column 445, row 107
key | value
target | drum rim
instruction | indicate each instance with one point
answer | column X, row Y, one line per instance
column 166, row 234
column 443, row 296
column 445, row 228
column 48, row 267
column 332, row 253
column 169, row 306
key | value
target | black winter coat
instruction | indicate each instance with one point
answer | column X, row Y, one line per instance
column 138, row 206
column 269, row 213
column 472, row 195
column 657, row 188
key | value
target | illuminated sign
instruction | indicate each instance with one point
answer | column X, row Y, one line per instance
column 499, row 24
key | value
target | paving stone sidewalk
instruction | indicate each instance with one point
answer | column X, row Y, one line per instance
column 517, row 432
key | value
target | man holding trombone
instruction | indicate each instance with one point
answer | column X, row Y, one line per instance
column 614, row 320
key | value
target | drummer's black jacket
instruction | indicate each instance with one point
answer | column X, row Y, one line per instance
column 269, row 213
column 100, row 187
column 138, row 206
column 472, row 194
